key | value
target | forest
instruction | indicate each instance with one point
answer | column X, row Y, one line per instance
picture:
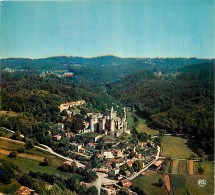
column 181, row 104
column 175, row 94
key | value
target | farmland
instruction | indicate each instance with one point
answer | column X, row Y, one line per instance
column 180, row 167
column 175, row 147
column 29, row 160
column 149, row 182
column 184, row 177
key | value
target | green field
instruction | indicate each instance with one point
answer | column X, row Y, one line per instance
column 90, row 134
column 178, row 184
column 143, row 128
column 26, row 165
column 130, row 120
column 10, row 188
column 183, row 183
column 149, row 182
column 175, row 147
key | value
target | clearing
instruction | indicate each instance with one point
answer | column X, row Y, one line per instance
column 176, row 147
column 141, row 128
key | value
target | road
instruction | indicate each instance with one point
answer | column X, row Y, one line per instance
column 102, row 180
column 46, row 148
column 147, row 166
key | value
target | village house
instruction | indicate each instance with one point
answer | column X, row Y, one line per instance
column 25, row 190
column 60, row 126
column 126, row 182
column 129, row 163
column 113, row 172
column 131, row 149
column 82, row 150
column 117, row 153
column 69, row 134
column 142, row 144
column 106, row 166
column 107, row 154
column 91, row 146
column 118, row 162
column 76, row 147
column 49, row 132
column 102, row 170
column 57, row 137
column 157, row 165
column 111, row 190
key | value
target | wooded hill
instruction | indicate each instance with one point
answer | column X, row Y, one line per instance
column 179, row 104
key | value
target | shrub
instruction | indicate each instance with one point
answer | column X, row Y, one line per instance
column 13, row 154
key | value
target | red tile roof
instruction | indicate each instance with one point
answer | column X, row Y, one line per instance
column 56, row 136
column 129, row 162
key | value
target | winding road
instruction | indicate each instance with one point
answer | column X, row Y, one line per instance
column 44, row 148
column 147, row 166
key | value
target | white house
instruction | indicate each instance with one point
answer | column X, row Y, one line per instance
column 60, row 126
column 107, row 154
column 76, row 147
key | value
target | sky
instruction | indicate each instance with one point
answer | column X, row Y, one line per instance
column 144, row 28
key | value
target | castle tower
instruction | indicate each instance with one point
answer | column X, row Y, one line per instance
column 124, row 113
column 111, row 113
column 112, row 126
column 93, row 123
column 102, row 124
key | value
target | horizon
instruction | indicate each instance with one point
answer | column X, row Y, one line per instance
column 137, row 29
column 105, row 55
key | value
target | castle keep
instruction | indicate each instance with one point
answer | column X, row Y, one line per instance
column 108, row 123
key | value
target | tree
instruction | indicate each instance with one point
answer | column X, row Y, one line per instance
column 21, row 150
column 13, row 154
column 46, row 162
column 200, row 152
column 92, row 190
column 103, row 192
column 137, row 165
column 73, row 184
column 26, row 180
column 201, row 169
column 162, row 132
column 29, row 144
column 123, row 191
column 16, row 135
column 161, row 181
column 6, row 172
column 138, row 190
column 193, row 156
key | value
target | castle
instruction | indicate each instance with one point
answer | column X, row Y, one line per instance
column 108, row 124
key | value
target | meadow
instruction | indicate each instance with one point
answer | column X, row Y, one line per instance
column 176, row 147
column 149, row 182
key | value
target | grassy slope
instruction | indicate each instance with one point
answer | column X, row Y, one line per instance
column 175, row 147
column 10, row 188
column 148, row 182
column 25, row 161
column 144, row 128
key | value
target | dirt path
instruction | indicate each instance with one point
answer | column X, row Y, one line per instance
column 166, row 177
column 191, row 167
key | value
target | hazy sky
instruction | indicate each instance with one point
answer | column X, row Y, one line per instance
column 147, row 28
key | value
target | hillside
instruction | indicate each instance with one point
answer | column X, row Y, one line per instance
column 181, row 103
